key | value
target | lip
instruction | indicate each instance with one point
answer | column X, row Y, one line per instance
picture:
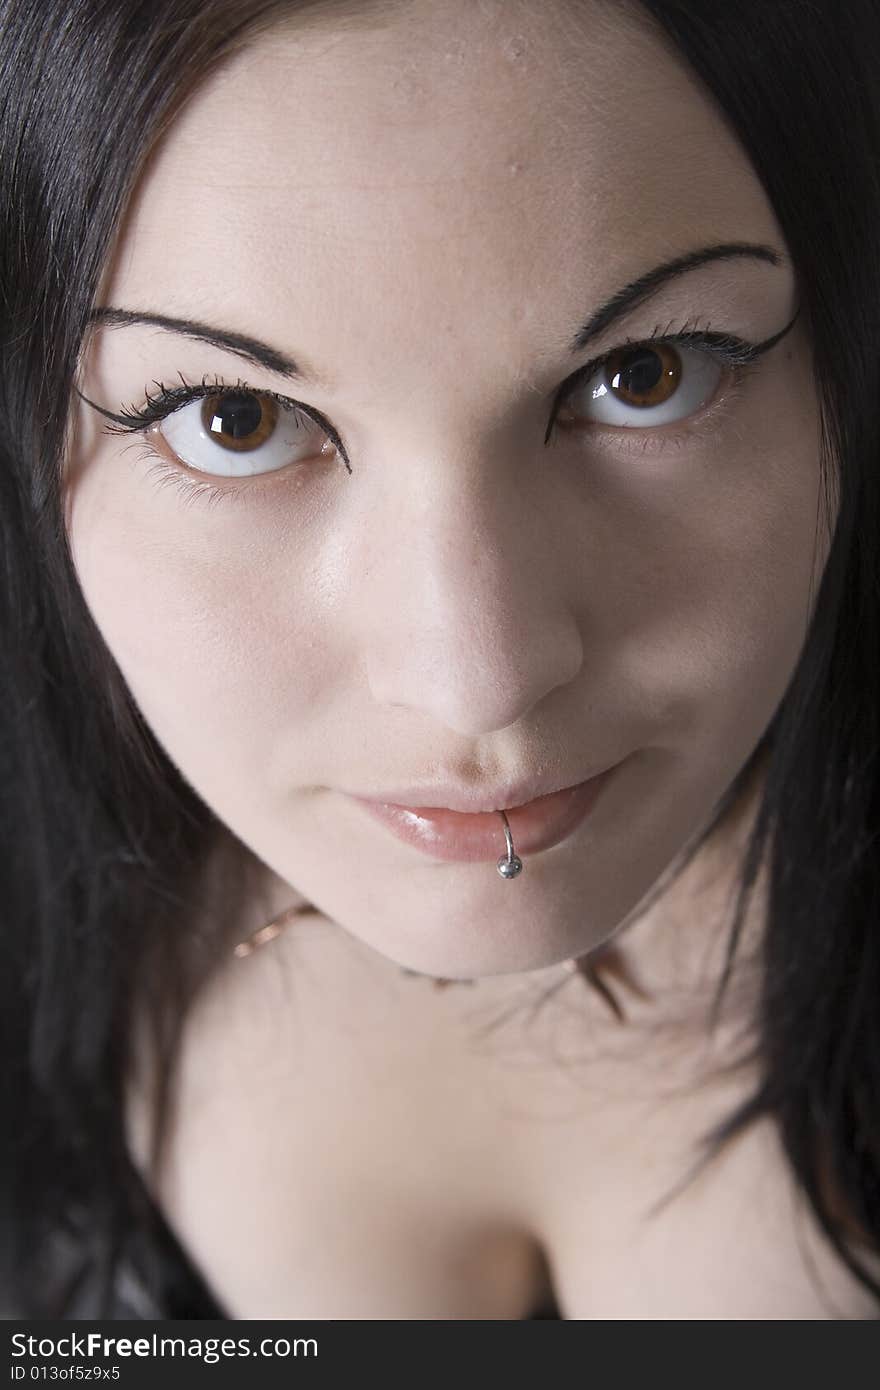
column 479, row 836
column 472, row 800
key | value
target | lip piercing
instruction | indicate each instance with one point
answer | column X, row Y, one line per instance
column 511, row 865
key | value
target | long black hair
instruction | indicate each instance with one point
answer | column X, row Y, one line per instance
column 118, row 884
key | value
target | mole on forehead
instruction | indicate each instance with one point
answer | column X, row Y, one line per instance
column 448, row 38
column 413, row 77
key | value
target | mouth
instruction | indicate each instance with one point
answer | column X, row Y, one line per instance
column 479, row 836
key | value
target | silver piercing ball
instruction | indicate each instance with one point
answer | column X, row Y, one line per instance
column 510, row 866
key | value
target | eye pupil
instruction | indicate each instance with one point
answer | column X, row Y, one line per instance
column 644, row 375
column 239, row 420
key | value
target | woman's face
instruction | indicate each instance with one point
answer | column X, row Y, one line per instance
column 421, row 216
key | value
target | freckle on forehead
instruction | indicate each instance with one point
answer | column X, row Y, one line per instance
column 515, row 48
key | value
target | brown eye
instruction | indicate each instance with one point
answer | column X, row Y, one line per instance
column 643, row 375
column 237, row 432
column 239, row 420
column 645, row 385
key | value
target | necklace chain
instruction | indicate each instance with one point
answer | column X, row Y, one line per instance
column 586, row 966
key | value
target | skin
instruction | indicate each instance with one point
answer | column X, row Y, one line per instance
column 425, row 210
column 425, row 207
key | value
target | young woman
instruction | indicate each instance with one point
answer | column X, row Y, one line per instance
column 439, row 501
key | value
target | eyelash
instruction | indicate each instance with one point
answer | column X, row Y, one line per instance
column 737, row 354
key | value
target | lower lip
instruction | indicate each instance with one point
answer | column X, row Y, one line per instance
column 472, row 838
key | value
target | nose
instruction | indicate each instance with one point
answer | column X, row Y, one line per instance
column 468, row 612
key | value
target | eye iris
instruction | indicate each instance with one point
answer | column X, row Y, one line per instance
column 239, row 420
column 644, row 375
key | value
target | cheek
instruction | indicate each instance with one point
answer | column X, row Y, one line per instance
column 216, row 640
column 723, row 600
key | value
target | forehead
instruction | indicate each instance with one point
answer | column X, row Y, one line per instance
column 417, row 169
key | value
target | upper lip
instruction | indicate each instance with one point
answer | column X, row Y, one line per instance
column 473, row 800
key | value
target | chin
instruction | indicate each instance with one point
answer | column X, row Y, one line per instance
column 461, row 951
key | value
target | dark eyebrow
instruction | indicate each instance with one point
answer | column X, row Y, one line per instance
column 249, row 348
column 624, row 299
column 647, row 285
